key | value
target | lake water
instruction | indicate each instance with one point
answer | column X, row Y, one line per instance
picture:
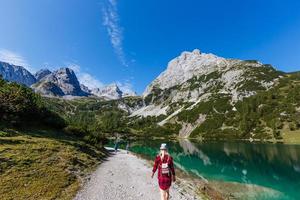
column 274, row 167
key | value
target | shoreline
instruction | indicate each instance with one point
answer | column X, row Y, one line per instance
column 199, row 186
column 218, row 189
column 284, row 141
column 126, row 176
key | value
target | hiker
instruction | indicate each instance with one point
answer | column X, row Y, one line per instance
column 116, row 145
column 127, row 147
column 166, row 172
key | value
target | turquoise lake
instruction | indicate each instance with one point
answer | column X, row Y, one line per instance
column 272, row 166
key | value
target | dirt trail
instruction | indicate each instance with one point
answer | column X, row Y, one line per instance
column 124, row 176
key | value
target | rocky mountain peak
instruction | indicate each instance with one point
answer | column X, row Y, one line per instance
column 63, row 80
column 197, row 51
column 85, row 88
column 41, row 74
column 186, row 66
column 195, row 77
column 111, row 91
column 66, row 73
column 113, row 86
column 16, row 74
column 186, row 54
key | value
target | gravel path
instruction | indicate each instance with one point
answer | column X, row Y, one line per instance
column 124, row 176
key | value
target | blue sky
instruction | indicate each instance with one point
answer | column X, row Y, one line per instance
column 131, row 41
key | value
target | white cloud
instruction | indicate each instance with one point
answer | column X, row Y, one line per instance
column 126, row 87
column 90, row 81
column 14, row 59
column 85, row 78
column 111, row 21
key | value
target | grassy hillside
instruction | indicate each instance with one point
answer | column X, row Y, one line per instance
column 50, row 159
column 109, row 117
column 44, row 164
column 94, row 114
column 271, row 114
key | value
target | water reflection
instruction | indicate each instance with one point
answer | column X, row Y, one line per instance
column 189, row 148
column 275, row 166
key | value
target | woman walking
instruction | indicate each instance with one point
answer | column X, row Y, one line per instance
column 166, row 172
column 116, row 144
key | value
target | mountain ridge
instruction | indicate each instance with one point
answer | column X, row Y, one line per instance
column 198, row 89
column 62, row 82
column 219, row 99
column 198, row 95
column 41, row 74
column 16, row 73
column 193, row 76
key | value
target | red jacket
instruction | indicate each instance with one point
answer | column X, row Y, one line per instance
column 164, row 180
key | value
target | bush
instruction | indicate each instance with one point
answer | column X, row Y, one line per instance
column 96, row 138
column 52, row 119
column 292, row 126
column 77, row 131
column 20, row 106
column 5, row 134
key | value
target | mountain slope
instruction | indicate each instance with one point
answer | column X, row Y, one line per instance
column 17, row 74
column 20, row 106
column 90, row 111
column 109, row 92
column 45, row 164
column 41, row 74
column 194, row 74
column 273, row 114
column 112, row 92
column 216, row 99
column 59, row 83
column 203, row 93
column 41, row 157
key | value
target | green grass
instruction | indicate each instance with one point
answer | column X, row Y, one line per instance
column 291, row 137
column 44, row 165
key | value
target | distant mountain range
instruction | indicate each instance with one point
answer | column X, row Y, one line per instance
column 199, row 95
column 59, row 83
column 16, row 73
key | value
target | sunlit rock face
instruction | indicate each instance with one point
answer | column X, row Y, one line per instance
column 194, row 73
column 195, row 76
column 60, row 83
column 39, row 75
column 194, row 82
column 111, row 91
column 17, row 74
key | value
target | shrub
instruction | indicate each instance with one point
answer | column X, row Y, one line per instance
column 96, row 138
column 77, row 131
column 20, row 106
column 292, row 126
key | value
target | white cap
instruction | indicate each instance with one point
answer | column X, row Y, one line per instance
column 163, row 146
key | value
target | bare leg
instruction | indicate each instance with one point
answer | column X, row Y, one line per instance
column 162, row 194
column 167, row 194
